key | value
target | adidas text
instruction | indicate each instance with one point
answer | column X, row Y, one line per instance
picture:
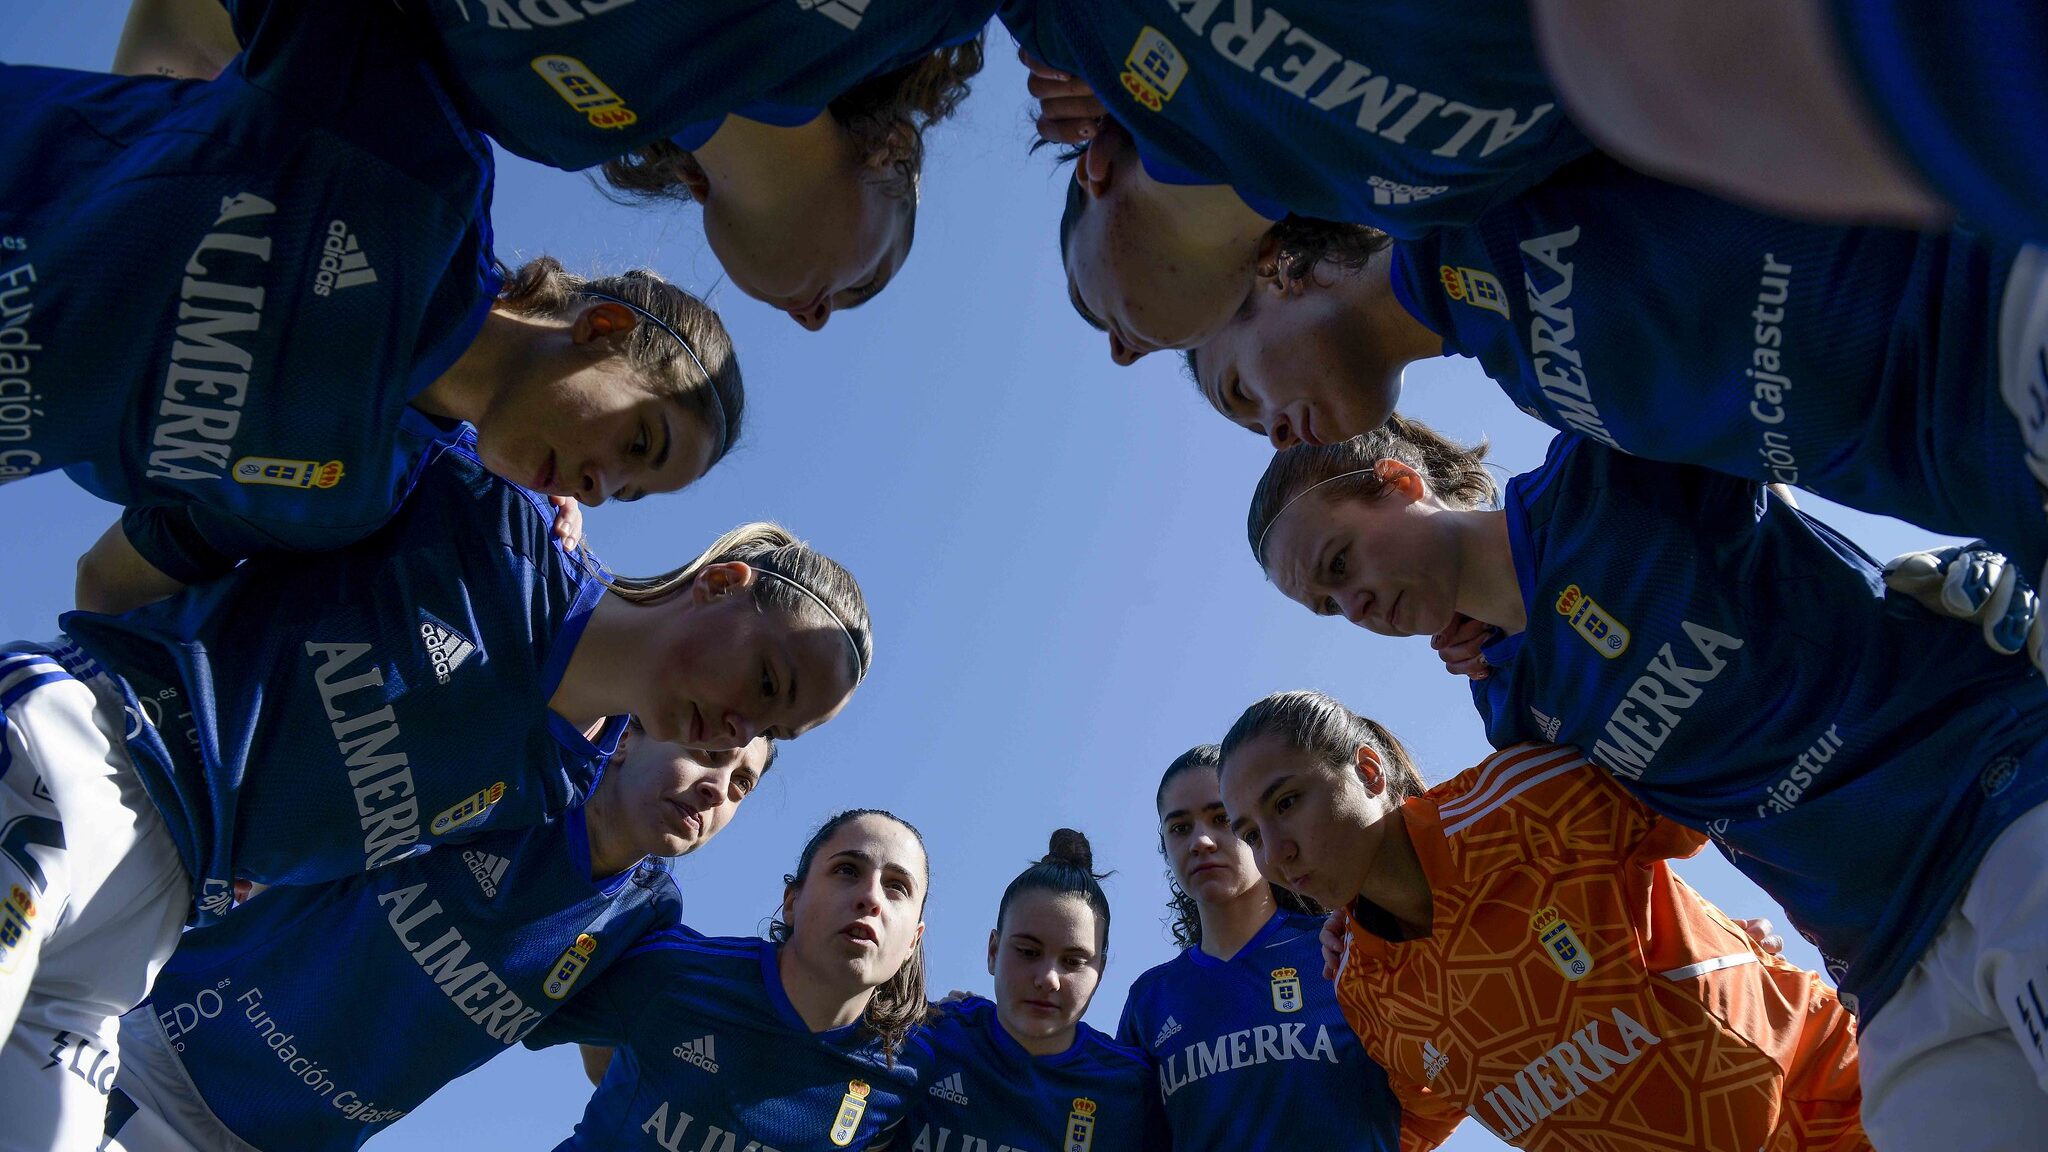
column 342, row 263
column 703, row 1052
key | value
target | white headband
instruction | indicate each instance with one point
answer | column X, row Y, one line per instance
column 1259, row 549
column 860, row 665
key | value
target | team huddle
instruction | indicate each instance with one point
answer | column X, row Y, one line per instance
column 354, row 767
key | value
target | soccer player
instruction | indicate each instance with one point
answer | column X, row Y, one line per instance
column 1246, row 982
column 1741, row 668
column 312, row 716
column 1024, row 1071
column 1847, row 109
column 1884, row 369
column 799, row 127
column 794, row 1042
column 470, row 947
column 1520, row 952
column 1226, row 124
column 247, row 309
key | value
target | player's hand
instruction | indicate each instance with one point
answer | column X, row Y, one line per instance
column 1069, row 112
column 1334, row 944
column 1971, row 582
column 957, row 995
column 1459, row 643
column 568, row 521
column 1759, row 930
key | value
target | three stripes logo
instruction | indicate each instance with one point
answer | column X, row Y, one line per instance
column 342, row 263
column 952, row 1088
column 489, row 870
column 446, row 647
column 703, row 1052
column 1166, row 1032
column 845, row 13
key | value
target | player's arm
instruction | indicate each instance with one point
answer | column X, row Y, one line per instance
column 1427, row 1119
column 188, row 39
column 113, row 577
column 595, row 1060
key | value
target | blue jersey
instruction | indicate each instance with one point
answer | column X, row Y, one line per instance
column 1858, row 363
column 217, row 299
column 311, row 716
column 312, row 1018
column 1962, row 90
column 709, row 1049
column 982, row 1091
column 1253, row 1051
column 1740, row 667
column 574, row 83
column 1381, row 112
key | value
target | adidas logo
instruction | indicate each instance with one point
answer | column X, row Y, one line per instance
column 1386, row 191
column 1433, row 1061
column 951, row 1088
column 1548, row 725
column 703, row 1052
column 446, row 647
column 845, row 13
column 1165, row 1033
column 342, row 263
column 487, row 869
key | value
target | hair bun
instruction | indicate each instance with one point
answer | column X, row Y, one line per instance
column 1070, row 847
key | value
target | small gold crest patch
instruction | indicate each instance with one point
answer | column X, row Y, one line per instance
column 574, row 960
column 1471, row 286
column 1286, row 990
column 468, row 810
column 1153, row 70
column 852, row 1107
column 1081, row 1125
column 287, row 473
column 1561, row 944
column 1606, row 634
column 17, row 916
column 580, row 88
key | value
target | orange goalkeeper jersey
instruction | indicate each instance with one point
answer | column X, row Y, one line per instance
column 1575, row 994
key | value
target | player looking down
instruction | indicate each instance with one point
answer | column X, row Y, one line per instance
column 1743, row 670
column 1246, row 975
column 471, row 946
column 306, row 304
column 795, row 1042
column 1520, row 951
column 1024, row 1071
column 1879, row 368
column 160, row 757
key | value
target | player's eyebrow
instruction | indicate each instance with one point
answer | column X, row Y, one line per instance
column 1238, row 824
column 668, row 439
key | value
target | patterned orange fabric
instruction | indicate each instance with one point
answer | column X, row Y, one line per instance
column 1575, row 994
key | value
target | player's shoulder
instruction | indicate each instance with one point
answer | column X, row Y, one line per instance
column 1106, row 1056
column 1496, row 791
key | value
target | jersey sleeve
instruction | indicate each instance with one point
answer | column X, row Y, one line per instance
column 595, row 1015
column 189, row 543
column 1127, row 1026
column 1427, row 1118
column 1549, row 799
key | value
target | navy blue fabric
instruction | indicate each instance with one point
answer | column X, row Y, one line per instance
column 1740, row 667
column 1963, row 90
column 709, row 1048
column 1382, row 112
column 460, row 952
column 1858, row 363
column 982, row 1090
column 218, row 298
column 308, row 717
column 574, row 83
column 1236, row 1070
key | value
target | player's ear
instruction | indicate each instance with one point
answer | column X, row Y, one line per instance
column 991, row 951
column 1371, row 771
column 1399, row 477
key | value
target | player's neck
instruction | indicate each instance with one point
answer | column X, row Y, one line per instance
column 760, row 163
column 1370, row 297
column 1488, row 590
column 1230, row 925
column 611, row 850
column 821, row 1002
column 469, row 386
column 1396, row 882
column 591, row 684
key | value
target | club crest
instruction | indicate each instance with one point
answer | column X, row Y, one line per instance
column 1606, row 634
column 1081, row 1125
column 852, row 1107
column 1286, row 990
column 1561, row 944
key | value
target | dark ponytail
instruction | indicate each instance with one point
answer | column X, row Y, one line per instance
column 1183, row 915
column 1330, row 733
column 1067, row 868
column 899, row 1004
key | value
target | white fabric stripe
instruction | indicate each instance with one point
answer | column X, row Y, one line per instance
column 12, row 674
column 1732, row 960
column 1572, row 765
column 1495, row 778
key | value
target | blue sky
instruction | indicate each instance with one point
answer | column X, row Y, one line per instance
column 1052, row 547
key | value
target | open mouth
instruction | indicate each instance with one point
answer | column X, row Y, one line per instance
column 860, row 933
